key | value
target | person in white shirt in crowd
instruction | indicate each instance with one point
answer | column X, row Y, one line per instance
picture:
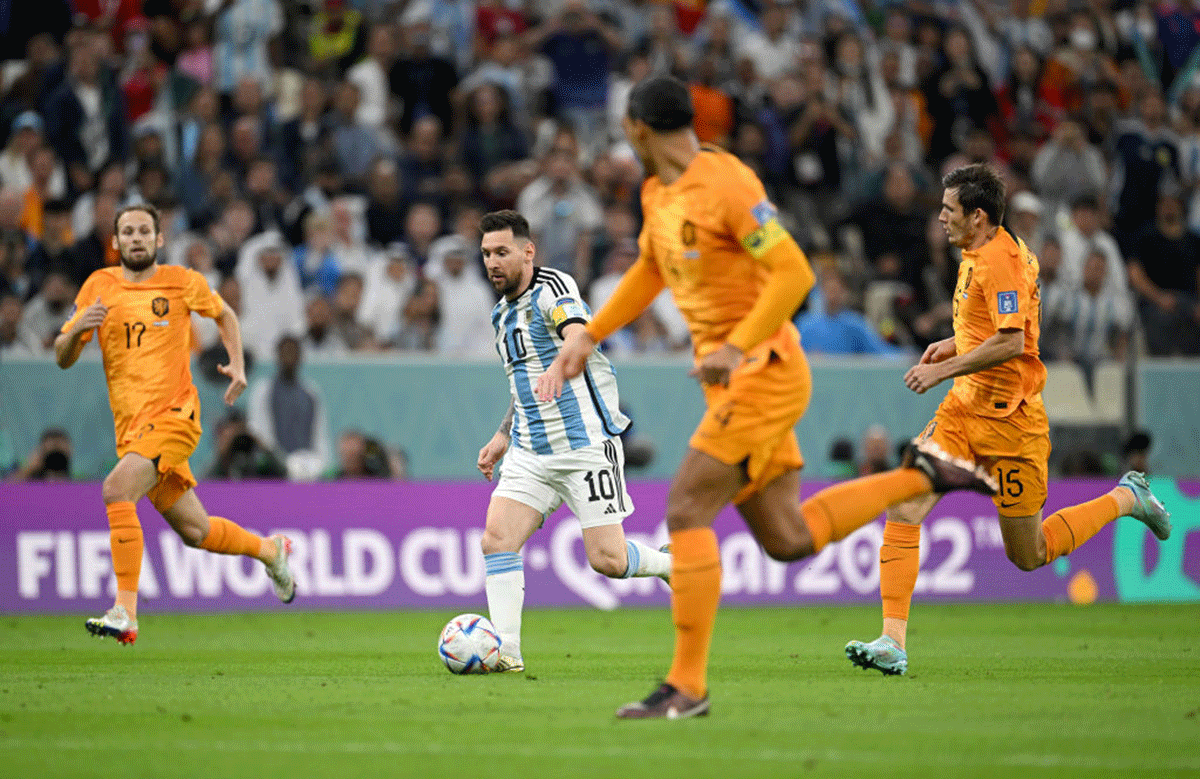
column 659, row 328
column 389, row 283
column 1090, row 324
column 1067, row 167
column 371, row 77
column 1026, row 218
column 773, row 50
column 321, row 337
column 1085, row 233
column 465, row 301
column 271, row 297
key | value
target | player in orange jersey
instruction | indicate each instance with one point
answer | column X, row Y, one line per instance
column 142, row 312
column 712, row 236
column 993, row 414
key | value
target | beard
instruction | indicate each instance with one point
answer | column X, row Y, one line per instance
column 139, row 263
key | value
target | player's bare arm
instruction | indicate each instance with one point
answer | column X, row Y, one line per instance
column 235, row 371
column 494, row 449
column 68, row 346
column 577, row 345
column 939, row 351
column 1001, row 347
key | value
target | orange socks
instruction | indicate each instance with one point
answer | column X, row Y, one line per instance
column 695, row 594
column 125, row 540
column 899, row 558
column 836, row 512
column 1066, row 529
column 225, row 537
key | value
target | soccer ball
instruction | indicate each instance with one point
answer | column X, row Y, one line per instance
column 469, row 644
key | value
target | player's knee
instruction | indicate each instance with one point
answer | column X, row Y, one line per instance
column 785, row 549
column 191, row 536
column 114, row 490
column 608, row 562
column 1025, row 559
column 494, row 541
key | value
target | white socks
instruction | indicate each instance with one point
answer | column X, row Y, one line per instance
column 505, row 585
column 644, row 561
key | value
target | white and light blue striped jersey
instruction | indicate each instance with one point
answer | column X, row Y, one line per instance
column 528, row 337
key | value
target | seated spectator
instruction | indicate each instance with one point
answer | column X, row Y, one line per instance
column 336, row 40
column 315, row 261
column 466, row 303
column 876, row 451
column 349, row 242
column 838, row 329
column 239, row 455
column 422, row 226
column 353, row 145
column 302, row 139
column 1025, row 219
column 15, row 341
column 1089, row 325
column 25, row 135
column 346, row 301
column 423, row 81
column 371, row 76
column 287, row 414
column 49, row 461
column 321, row 338
column 491, row 139
column 423, row 165
column 390, row 282
column 1067, row 167
column 53, row 252
column 271, row 297
column 360, row 457
column 386, row 208
column 1164, row 270
column 49, row 310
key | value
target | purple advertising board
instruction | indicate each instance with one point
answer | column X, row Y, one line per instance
column 371, row 545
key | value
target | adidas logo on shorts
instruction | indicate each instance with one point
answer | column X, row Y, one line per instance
column 611, row 509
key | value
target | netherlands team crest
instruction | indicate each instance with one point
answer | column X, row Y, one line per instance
column 160, row 307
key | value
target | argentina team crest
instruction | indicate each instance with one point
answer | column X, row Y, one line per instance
column 160, row 307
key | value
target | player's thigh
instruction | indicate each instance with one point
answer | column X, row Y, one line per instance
column 130, row 479
column 591, row 481
column 509, row 524
column 1024, row 542
column 773, row 516
column 187, row 516
column 702, row 486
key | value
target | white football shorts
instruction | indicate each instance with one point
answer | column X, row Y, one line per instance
column 591, row 481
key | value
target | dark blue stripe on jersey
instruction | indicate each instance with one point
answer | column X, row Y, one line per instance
column 606, row 419
column 528, row 405
column 568, row 404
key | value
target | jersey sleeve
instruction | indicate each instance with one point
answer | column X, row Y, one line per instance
column 564, row 305
column 1006, row 292
column 750, row 215
column 88, row 294
column 199, row 297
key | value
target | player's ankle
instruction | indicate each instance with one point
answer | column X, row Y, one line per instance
column 1126, row 500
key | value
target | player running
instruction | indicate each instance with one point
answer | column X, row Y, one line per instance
column 567, row 449
column 143, row 314
column 711, row 235
column 993, row 414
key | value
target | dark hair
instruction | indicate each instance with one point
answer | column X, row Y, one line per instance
column 505, row 220
column 662, row 102
column 143, row 207
column 56, row 206
column 978, row 187
column 1086, row 200
column 1138, row 442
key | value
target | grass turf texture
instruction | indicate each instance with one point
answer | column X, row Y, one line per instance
column 1000, row 691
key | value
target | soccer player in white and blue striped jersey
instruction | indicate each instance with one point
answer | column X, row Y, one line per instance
column 567, row 449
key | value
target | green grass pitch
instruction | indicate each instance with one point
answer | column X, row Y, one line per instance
column 993, row 691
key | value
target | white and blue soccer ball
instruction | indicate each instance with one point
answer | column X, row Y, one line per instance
column 469, row 644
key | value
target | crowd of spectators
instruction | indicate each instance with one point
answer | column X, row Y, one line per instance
column 325, row 162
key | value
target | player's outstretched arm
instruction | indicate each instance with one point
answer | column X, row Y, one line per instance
column 494, row 449
column 68, row 345
column 1001, row 347
column 572, row 356
column 231, row 337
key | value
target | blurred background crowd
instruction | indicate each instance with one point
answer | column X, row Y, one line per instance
column 324, row 163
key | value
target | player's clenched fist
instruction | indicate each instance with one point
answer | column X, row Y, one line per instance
column 92, row 317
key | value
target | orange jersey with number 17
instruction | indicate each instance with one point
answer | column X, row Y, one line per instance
column 705, row 233
column 146, row 340
column 998, row 290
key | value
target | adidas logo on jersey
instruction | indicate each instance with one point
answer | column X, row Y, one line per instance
column 611, row 509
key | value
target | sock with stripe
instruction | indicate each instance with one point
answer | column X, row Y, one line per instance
column 641, row 560
column 899, row 559
column 125, row 541
column 1065, row 530
column 226, row 537
column 505, row 586
column 837, row 511
column 695, row 595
